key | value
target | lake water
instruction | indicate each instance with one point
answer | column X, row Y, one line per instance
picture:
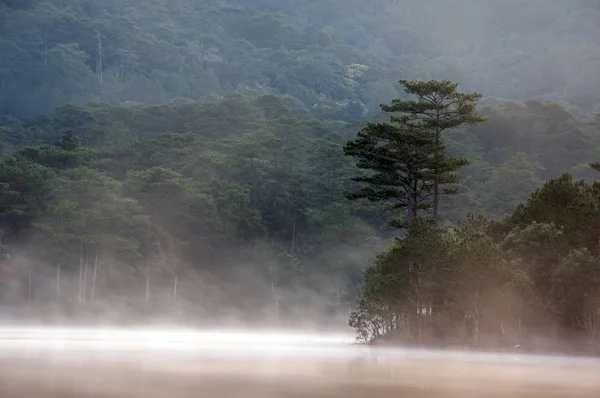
column 105, row 363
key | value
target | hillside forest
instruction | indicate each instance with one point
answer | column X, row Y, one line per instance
column 423, row 169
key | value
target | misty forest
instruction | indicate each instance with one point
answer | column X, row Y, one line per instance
column 424, row 170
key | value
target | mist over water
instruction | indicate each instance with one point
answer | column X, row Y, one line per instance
column 53, row 362
column 173, row 339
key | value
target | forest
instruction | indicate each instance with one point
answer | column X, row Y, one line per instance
column 211, row 162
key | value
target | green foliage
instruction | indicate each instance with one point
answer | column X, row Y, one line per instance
column 408, row 158
column 401, row 161
column 517, row 278
column 190, row 213
column 90, row 209
column 567, row 203
column 404, row 284
column 115, row 52
column 509, row 184
column 438, row 107
column 342, row 56
column 24, row 189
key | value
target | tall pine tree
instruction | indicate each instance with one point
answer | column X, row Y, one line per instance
column 438, row 107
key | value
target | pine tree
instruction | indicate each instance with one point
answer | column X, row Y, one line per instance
column 400, row 158
column 438, row 107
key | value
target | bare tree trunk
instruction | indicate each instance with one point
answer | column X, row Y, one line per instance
column 294, row 233
column 275, row 298
column 436, row 196
column 175, row 280
column 147, row 277
column 419, row 309
column 410, row 207
column 476, row 322
column 436, row 173
column 94, row 275
column 58, row 281
column 411, row 214
column 81, row 272
column 29, row 291
column 85, row 275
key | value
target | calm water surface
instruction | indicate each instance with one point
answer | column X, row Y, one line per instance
column 181, row 363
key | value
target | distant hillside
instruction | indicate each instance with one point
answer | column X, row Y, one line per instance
column 337, row 58
column 57, row 52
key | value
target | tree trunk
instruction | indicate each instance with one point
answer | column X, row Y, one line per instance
column 294, row 222
column 175, row 280
column 419, row 306
column 275, row 298
column 85, row 275
column 94, row 276
column 58, row 281
column 294, row 232
column 29, row 291
column 436, row 178
column 436, row 197
column 476, row 323
column 410, row 200
column 147, row 279
column 81, row 272
column 419, row 322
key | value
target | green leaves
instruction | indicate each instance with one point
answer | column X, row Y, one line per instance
column 24, row 193
column 400, row 160
column 89, row 208
column 438, row 106
column 569, row 204
column 536, row 268
column 408, row 160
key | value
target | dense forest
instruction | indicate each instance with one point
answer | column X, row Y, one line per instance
column 196, row 161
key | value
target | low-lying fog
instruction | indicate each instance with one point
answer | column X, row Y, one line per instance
column 183, row 363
